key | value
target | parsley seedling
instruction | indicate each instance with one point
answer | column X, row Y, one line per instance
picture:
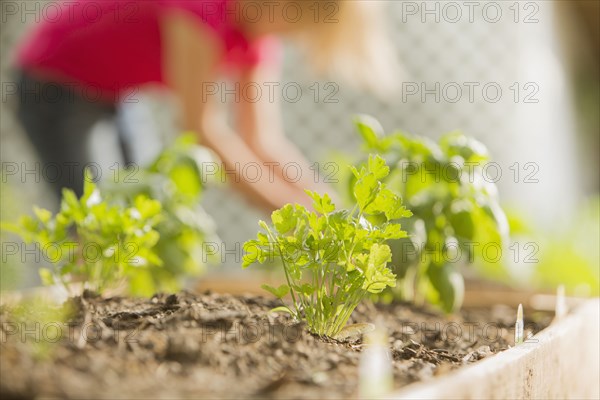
column 456, row 211
column 145, row 226
column 187, row 233
column 95, row 242
column 333, row 258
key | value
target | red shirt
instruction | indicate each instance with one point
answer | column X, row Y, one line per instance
column 113, row 45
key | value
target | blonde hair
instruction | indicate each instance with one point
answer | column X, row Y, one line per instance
column 353, row 45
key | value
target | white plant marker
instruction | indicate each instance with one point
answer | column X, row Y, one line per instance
column 375, row 368
column 519, row 326
column 561, row 303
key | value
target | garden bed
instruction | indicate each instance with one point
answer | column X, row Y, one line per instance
column 231, row 346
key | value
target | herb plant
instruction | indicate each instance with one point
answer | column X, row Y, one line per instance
column 95, row 242
column 333, row 258
column 456, row 210
column 147, row 228
column 175, row 179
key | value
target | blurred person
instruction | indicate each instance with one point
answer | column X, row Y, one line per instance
column 75, row 68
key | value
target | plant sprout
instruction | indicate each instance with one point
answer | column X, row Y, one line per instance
column 94, row 242
column 456, row 210
column 147, row 228
column 175, row 179
column 519, row 326
column 333, row 258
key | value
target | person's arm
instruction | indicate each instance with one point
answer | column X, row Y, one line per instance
column 190, row 59
column 259, row 122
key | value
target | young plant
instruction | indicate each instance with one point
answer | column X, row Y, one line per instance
column 92, row 241
column 456, row 210
column 175, row 179
column 333, row 258
column 147, row 228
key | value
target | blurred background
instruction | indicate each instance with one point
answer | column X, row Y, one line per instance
column 528, row 88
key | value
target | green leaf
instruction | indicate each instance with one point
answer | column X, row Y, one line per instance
column 306, row 289
column 377, row 166
column 393, row 231
column 11, row 227
column 365, row 190
column 449, row 285
column 284, row 219
column 321, row 204
column 379, row 256
column 252, row 253
column 377, row 275
column 43, row 215
column 186, row 179
column 279, row 292
column 146, row 207
column 387, row 203
column 283, row 309
column 89, row 187
column 370, row 130
column 462, row 223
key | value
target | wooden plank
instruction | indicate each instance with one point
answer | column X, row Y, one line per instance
column 561, row 362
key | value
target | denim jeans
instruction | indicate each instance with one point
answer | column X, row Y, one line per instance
column 58, row 122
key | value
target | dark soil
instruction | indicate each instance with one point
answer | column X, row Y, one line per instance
column 222, row 346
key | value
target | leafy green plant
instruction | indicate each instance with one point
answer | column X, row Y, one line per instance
column 456, row 210
column 175, row 179
column 333, row 258
column 146, row 229
column 95, row 242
